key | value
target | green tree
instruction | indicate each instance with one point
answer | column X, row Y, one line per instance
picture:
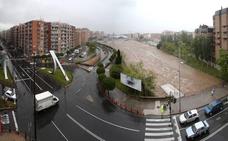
column 109, row 84
column 101, row 77
column 100, row 70
column 100, row 65
column 115, row 71
column 118, row 58
column 223, row 63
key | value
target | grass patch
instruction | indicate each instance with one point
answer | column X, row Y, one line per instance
column 6, row 82
column 6, row 104
column 58, row 77
column 193, row 62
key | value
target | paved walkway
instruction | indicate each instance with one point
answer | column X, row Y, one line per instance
column 152, row 107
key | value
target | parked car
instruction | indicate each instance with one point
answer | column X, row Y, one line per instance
column 214, row 107
column 10, row 94
column 189, row 116
column 198, row 129
column 70, row 58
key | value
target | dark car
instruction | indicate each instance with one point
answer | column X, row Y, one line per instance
column 214, row 107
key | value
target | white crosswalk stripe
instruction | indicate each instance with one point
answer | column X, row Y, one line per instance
column 159, row 130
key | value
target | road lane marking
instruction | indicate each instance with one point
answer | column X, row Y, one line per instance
column 59, row 130
column 214, row 133
column 177, row 129
column 23, row 81
column 45, row 81
column 159, row 129
column 78, row 91
column 156, row 120
column 85, row 129
column 30, row 78
column 159, row 134
column 122, row 127
column 15, row 121
column 163, row 139
column 158, row 124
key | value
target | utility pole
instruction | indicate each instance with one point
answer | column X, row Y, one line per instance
column 179, row 80
column 34, row 99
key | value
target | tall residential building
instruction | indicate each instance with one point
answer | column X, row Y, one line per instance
column 38, row 37
column 220, row 23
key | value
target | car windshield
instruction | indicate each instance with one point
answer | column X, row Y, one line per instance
column 186, row 115
column 210, row 106
column 194, row 129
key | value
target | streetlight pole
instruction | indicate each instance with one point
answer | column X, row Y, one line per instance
column 179, row 80
column 34, row 99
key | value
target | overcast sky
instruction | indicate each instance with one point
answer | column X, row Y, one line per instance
column 119, row 16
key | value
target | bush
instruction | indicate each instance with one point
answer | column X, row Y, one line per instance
column 101, row 77
column 113, row 57
column 115, row 71
column 109, row 83
column 100, row 70
column 100, row 65
column 118, row 58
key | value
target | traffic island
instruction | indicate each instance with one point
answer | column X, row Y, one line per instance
column 4, row 104
column 6, row 82
column 57, row 76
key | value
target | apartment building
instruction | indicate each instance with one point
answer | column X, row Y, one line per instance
column 220, row 24
column 38, row 37
column 204, row 30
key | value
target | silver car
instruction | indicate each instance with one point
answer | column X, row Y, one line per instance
column 199, row 128
column 189, row 116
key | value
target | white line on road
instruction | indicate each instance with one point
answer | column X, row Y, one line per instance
column 161, row 139
column 87, row 130
column 130, row 129
column 30, row 78
column 59, row 130
column 78, row 91
column 158, row 124
column 22, row 79
column 211, row 135
column 158, row 134
column 15, row 121
column 177, row 128
column 157, row 120
column 159, row 129
column 45, row 81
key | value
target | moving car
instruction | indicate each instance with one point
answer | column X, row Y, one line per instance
column 45, row 100
column 198, row 129
column 214, row 107
column 189, row 116
column 10, row 94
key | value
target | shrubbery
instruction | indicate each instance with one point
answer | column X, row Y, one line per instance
column 115, row 71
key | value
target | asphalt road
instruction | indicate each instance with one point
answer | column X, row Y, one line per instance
column 83, row 114
column 215, row 122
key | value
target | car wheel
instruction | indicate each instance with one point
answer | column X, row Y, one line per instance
column 221, row 108
column 210, row 114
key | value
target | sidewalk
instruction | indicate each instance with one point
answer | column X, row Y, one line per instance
column 11, row 137
column 152, row 107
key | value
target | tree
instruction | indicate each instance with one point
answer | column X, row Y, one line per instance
column 223, row 63
column 109, row 84
column 115, row 71
column 100, row 65
column 100, row 70
column 118, row 58
column 101, row 77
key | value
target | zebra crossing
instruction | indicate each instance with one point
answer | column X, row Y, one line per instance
column 159, row 130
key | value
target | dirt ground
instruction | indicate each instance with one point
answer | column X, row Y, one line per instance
column 165, row 67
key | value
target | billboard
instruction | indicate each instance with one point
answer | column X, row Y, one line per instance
column 131, row 82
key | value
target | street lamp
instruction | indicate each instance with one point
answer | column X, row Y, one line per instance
column 179, row 63
column 34, row 98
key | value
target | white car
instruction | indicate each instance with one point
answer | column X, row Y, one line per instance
column 5, row 119
column 10, row 94
column 189, row 116
column 199, row 128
